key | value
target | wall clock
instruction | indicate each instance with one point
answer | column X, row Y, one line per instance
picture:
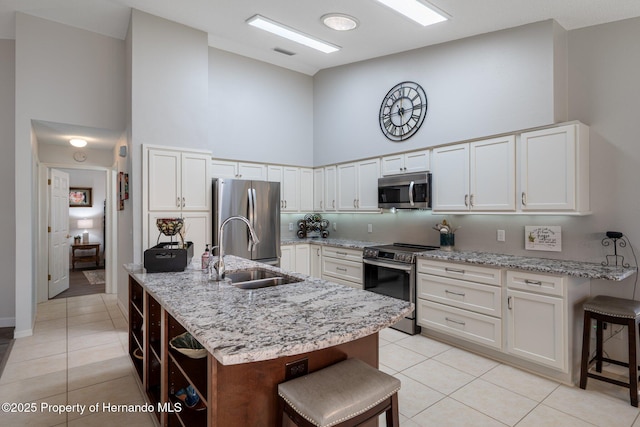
column 402, row 111
column 79, row 156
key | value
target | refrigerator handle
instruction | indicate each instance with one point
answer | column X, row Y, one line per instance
column 252, row 219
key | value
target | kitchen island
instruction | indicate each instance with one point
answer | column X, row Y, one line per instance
column 250, row 335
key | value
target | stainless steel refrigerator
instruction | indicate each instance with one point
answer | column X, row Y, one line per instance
column 259, row 202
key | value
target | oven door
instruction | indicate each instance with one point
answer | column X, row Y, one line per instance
column 394, row 280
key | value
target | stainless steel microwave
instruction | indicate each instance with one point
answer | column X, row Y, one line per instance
column 409, row 191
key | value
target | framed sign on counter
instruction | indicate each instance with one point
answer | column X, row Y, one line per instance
column 543, row 238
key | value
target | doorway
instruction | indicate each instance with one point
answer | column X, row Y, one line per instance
column 87, row 275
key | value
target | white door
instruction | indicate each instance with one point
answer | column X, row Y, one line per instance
column 306, row 190
column 451, row 178
column 492, row 176
column 59, row 232
column 164, row 180
column 347, row 187
column 196, row 182
column 290, row 189
column 368, row 174
column 318, row 190
column 330, row 181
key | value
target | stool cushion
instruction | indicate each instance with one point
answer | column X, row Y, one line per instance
column 338, row 392
column 612, row 306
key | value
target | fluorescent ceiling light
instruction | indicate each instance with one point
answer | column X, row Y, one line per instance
column 340, row 22
column 416, row 10
column 76, row 142
column 291, row 34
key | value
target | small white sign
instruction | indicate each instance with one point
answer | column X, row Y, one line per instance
column 543, row 238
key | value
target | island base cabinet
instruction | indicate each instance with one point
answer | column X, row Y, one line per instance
column 246, row 394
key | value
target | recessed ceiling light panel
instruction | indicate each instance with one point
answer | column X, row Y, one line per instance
column 340, row 21
column 77, row 142
column 420, row 11
column 291, row 34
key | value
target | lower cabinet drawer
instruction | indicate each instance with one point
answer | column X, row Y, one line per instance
column 342, row 269
column 355, row 285
column 483, row 299
column 465, row 324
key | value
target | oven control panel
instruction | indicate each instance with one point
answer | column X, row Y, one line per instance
column 375, row 253
column 370, row 253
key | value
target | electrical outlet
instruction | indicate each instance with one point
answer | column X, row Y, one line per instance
column 296, row 369
column 369, row 228
column 501, row 236
column 620, row 332
column 290, row 226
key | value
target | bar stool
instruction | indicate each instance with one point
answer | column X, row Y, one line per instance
column 345, row 394
column 617, row 311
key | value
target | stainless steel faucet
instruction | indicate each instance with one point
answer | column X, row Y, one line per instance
column 219, row 266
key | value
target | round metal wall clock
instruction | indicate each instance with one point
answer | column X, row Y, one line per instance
column 402, row 111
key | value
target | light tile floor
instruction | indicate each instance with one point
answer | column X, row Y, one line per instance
column 78, row 355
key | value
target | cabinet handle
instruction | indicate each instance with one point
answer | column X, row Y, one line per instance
column 341, row 269
column 524, row 198
column 333, row 204
column 466, row 200
column 453, row 270
column 471, row 200
column 285, row 204
column 533, row 282
column 454, row 321
column 320, row 204
column 509, row 303
column 183, row 203
column 318, row 252
column 178, row 202
column 341, row 253
column 461, row 294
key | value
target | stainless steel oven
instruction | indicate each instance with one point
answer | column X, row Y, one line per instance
column 391, row 270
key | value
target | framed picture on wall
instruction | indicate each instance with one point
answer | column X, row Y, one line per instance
column 121, row 191
column 80, row 197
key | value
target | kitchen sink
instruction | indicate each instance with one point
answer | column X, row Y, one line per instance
column 257, row 278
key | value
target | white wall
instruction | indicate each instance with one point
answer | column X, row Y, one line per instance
column 7, row 176
column 169, row 89
column 259, row 112
column 56, row 154
column 484, row 85
column 65, row 75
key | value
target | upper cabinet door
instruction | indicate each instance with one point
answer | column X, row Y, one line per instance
column 493, row 174
column 417, row 161
column 549, row 169
column 164, row 180
column 330, row 188
column 252, row 171
column 318, row 189
column 224, row 169
column 306, row 190
column 196, row 182
column 393, row 165
column 290, row 189
column 368, row 174
column 347, row 187
column 450, row 184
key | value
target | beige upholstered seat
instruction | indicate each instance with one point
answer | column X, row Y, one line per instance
column 339, row 393
column 612, row 306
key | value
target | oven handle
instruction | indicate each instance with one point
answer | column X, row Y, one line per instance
column 402, row 267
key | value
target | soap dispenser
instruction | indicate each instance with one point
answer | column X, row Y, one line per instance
column 205, row 258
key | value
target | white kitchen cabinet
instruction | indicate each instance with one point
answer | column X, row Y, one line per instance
column 197, row 226
column 176, row 184
column 178, row 180
column 289, row 179
column 306, row 190
column 296, row 258
column 358, row 185
column 461, row 300
column 330, row 188
column 342, row 265
column 315, row 260
column 287, row 257
column 238, row 170
column 415, row 161
column 476, row 176
column 318, row 190
column 554, row 169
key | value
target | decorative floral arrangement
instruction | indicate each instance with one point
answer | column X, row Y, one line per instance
column 445, row 228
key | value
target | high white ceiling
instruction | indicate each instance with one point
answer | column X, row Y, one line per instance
column 381, row 32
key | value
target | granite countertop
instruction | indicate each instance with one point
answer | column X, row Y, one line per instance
column 340, row 243
column 240, row 326
column 587, row 270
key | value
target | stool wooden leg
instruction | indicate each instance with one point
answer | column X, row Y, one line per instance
column 393, row 419
column 586, row 341
column 633, row 363
column 599, row 343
